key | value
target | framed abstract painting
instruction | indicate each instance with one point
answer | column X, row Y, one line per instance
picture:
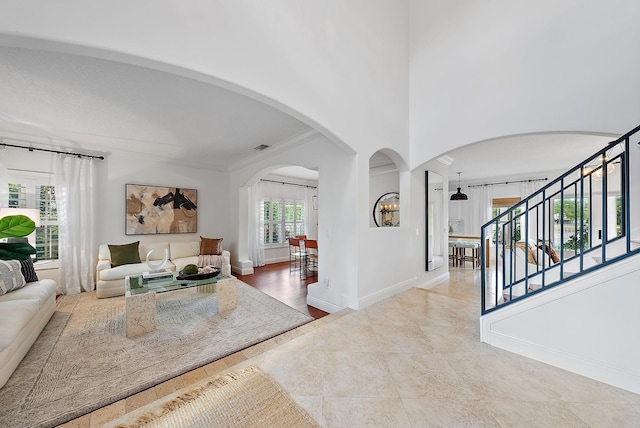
column 156, row 209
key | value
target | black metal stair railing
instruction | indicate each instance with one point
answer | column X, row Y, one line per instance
column 586, row 219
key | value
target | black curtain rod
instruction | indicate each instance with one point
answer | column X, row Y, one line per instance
column 290, row 184
column 2, row 143
column 509, row 182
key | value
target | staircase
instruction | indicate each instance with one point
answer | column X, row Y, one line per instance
column 582, row 221
column 562, row 283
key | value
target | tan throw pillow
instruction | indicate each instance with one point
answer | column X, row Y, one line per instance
column 124, row 254
column 531, row 255
column 210, row 246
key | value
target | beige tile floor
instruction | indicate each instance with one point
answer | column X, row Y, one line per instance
column 413, row 360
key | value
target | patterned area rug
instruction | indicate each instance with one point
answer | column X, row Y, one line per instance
column 242, row 399
column 82, row 360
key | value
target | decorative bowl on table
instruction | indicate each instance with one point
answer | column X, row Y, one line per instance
column 203, row 273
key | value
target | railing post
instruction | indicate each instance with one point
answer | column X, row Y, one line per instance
column 603, row 197
column 582, row 221
column 626, row 200
column 561, row 227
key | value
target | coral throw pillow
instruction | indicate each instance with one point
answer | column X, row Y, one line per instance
column 210, row 246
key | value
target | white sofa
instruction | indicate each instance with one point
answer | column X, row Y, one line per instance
column 110, row 280
column 23, row 314
column 532, row 262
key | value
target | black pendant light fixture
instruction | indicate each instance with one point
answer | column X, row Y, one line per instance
column 459, row 196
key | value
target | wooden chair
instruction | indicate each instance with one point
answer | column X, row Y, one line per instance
column 311, row 259
column 296, row 255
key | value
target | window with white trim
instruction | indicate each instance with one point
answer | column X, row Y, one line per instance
column 282, row 220
column 29, row 192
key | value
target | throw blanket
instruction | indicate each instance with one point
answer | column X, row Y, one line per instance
column 210, row 260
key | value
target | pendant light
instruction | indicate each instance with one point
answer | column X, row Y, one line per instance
column 459, row 196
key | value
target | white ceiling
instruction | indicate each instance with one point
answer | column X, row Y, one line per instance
column 522, row 157
column 299, row 172
column 104, row 106
column 83, row 103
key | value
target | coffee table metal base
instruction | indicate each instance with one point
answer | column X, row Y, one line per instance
column 140, row 309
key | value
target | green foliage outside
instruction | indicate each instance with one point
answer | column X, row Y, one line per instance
column 571, row 210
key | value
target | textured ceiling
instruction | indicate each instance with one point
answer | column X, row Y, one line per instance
column 107, row 106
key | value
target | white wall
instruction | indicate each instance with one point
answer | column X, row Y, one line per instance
column 481, row 70
column 476, row 71
column 213, row 196
column 116, row 171
column 340, row 67
column 587, row 326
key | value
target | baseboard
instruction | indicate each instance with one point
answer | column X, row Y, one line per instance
column 323, row 305
column 602, row 372
column 434, row 281
column 386, row 292
column 242, row 271
column 276, row 260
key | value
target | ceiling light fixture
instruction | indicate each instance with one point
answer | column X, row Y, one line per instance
column 596, row 171
column 459, row 196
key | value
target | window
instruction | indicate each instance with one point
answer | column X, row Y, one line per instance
column 282, row 220
column 498, row 206
column 574, row 224
column 26, row 192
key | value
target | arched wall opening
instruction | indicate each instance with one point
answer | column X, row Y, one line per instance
column 511, row 166
column 337, row 226
column 384, row 191
column 283, row 204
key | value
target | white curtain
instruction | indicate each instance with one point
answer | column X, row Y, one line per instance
column 4, row 181
column 480, row 199
column 526, row 189
column 256, row 224
column 75, row 199
column 311, row 213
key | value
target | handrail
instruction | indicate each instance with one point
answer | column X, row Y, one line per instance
column 577, row 223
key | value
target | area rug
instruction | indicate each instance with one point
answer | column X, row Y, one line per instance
column 243, row 399
column 83, row 361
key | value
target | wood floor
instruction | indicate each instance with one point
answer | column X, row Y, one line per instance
column 287, row 287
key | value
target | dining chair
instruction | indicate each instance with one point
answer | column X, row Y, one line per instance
column 311, row 258
column 296, row 255
column 301, row 238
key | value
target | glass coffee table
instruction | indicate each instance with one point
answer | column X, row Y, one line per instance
column 140, row 297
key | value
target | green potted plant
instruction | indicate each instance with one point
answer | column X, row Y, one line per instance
column 16, row 226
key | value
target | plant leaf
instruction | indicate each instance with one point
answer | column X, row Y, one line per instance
column 16, row 226
column 16, row 250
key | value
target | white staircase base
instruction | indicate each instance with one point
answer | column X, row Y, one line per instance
column 587, row 325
